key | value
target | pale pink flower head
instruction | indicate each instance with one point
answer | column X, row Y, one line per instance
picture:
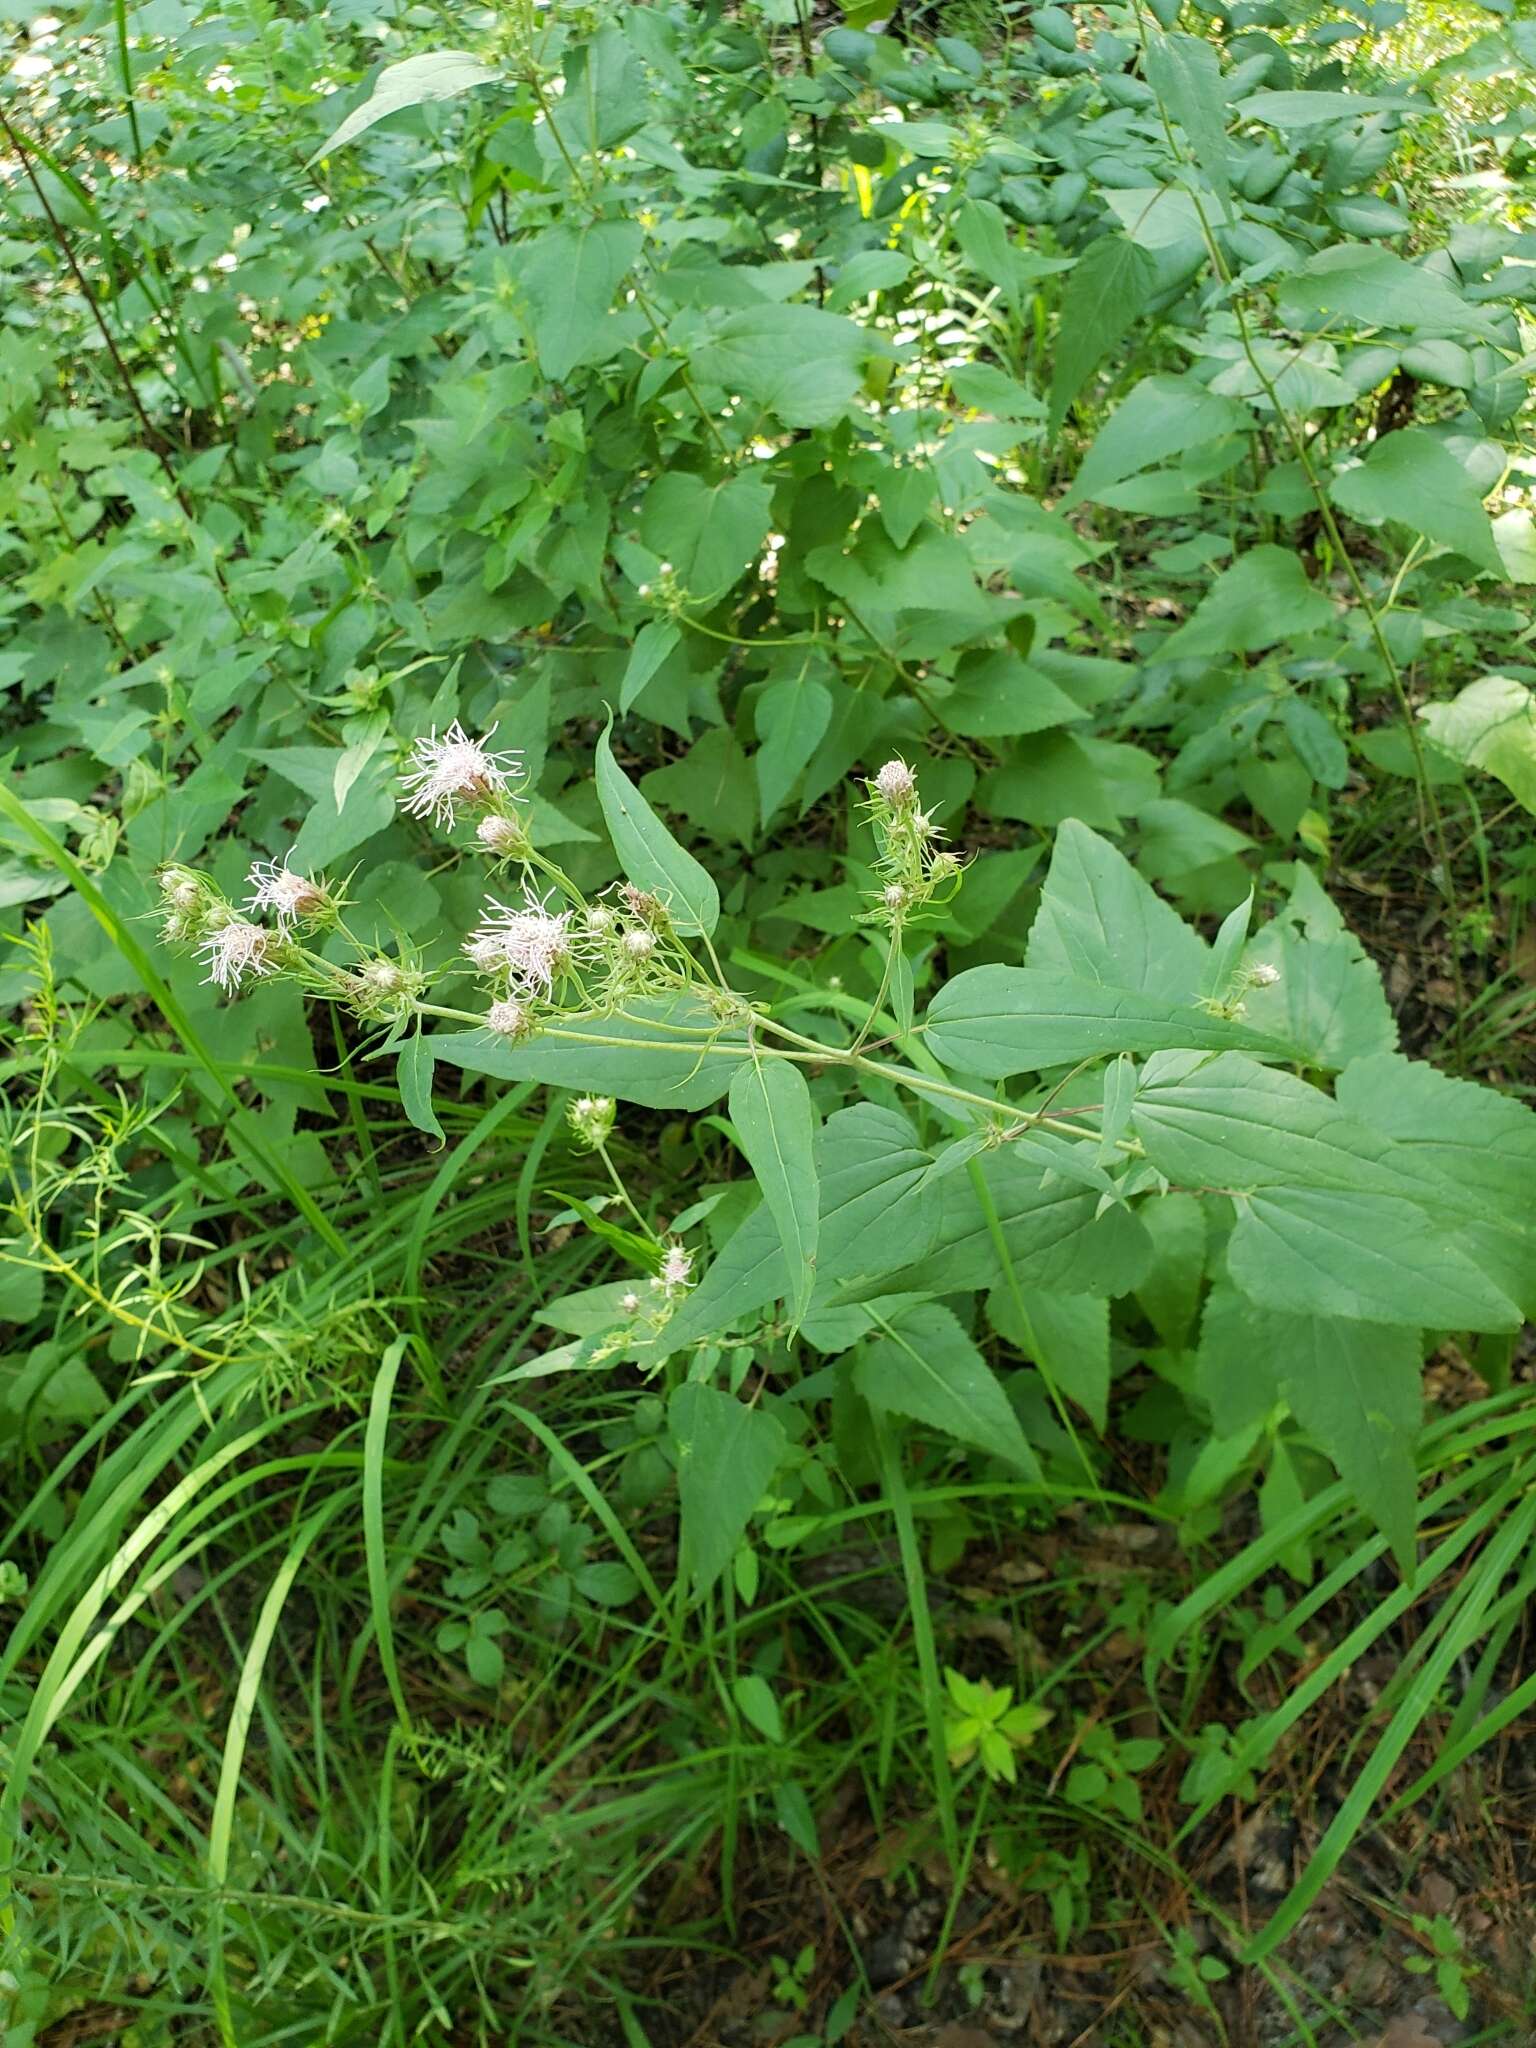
column 895, row 784
column 509, row 1019
column 292, row 898
column 676, row 1268
column 233, row 951
column 452, row 771
column 530, row 943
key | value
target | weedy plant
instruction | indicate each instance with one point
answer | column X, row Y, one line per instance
column 756, row 668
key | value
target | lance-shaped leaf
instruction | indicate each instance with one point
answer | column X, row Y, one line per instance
column 771, row 1110
column 648, row 853
column 997, row 1021
column 439, row 75
column 726, row 1455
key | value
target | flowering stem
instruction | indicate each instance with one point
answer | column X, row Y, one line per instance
column 813, row 1055
column 892, row 954
column 623, row 1192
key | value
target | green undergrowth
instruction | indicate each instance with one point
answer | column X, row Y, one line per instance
column 765, row 854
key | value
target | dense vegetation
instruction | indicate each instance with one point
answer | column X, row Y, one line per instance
column 765, row 847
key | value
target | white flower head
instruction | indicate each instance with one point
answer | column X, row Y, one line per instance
column 233, row 951
column 676, row 1268
column 530, row 943
column 629, row 1302
column 1264, row 975
column 896, row 784
column 454, row 770
column 292, row 898
column 509, row 1019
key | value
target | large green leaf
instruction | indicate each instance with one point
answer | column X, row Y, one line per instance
column 739, row 1282
column 997, row 1021
column 1355, row 1388
column 1371, row 1257
column 876, row 1217
column 1185, row 73
column 1413, row 480
column 709, row 532
column 726, row 1455
column 1163, row 416
column 1067, row 1336
column 648, row 853
column 1106, row 293
column 1328, row 1001
column 793, row 714
column 924, row 1366
column 798, row 362
column 1229, row 1123
column 878, row 1211
column 1052, row 1234
column 569, row 276
column 1480, row 1141
column 1263, row 598
column 1367, row 286
column 438, row 75
column 771, row 1110
column 1332, row 1217
column 1100, row 921
column 1491, row 725
column 1304, row 110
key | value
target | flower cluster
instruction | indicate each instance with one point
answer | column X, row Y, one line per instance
column 230, row 943
column 666, row 1288
column 916, row 874
column 526, row 946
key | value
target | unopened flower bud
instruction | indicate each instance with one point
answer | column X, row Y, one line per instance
column 894, row 896
column 896, row 784
column 509, row 1019
column 180, row 889
column 591, row 1118
column 500, row 834
column 642, row 904
column 639, row 944
column 382, row 977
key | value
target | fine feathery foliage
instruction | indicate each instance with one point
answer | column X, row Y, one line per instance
column 713, row 722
